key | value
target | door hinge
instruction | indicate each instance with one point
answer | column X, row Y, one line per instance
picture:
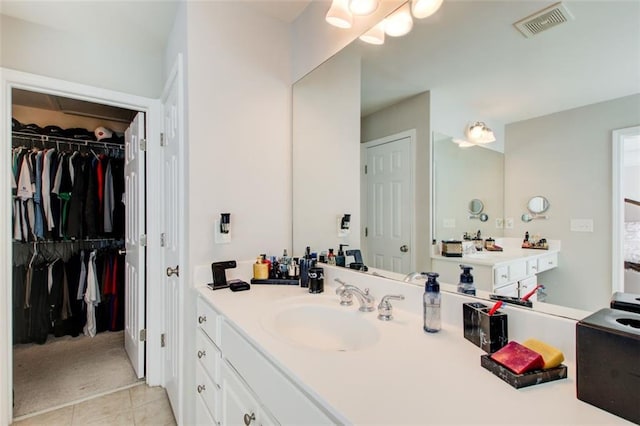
column 143, row 240
column 366, row 231
column 162, row 143
column 162, row 340
column 143, row 144
column 163, row 239
column 143, row 335
column 365, row 169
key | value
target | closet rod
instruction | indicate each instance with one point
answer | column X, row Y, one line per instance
column 88, row 240
column 56, row 139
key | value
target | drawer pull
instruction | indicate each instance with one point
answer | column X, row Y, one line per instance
column 249, row 418
column 201, row 354
column 201, row 388
column 202, row 318
column 504, row 276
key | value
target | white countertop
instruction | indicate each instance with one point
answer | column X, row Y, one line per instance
column 409, row 377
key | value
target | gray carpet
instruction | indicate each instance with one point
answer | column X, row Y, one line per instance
column 67, row 369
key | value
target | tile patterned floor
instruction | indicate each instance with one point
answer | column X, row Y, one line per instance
column 138, row 405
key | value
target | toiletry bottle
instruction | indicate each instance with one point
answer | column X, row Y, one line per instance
column 331, row 258
column 466, row 281
column 306, row 263
column 340, row 258
column 260, row 269
column 431, row 303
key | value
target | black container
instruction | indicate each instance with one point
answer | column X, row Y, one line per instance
column 626, row 302
column 529, row 378
column 608, row 362
column 316, row 280
column 489, row 333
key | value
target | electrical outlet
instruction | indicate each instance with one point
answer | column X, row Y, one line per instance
column 582, row 225
column 448, row 223
column 508, row 223
column 499, row 223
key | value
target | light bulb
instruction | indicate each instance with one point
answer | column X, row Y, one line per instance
column 424, row 8
column 399, row 22
column 339, row 15
column 375, row 35
column 363, row 7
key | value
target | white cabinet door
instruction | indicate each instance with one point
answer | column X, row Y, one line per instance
column 239, row 407
column 203, row 416
column 526, row 285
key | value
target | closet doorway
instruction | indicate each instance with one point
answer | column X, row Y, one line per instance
column 78, row 206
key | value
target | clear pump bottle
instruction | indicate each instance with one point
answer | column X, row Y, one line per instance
column 431, row 303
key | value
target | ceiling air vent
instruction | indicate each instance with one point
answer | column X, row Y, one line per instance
column 549, row 17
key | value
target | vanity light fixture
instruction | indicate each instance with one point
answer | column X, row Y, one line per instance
column 424, row 8
column 399, row 22
column 339, row 14
column 462, row 143
column 363, row 7
column 375, row 35
column 478, row 133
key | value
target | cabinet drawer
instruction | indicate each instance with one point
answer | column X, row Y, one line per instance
column 208, row 320
column 510, row 290
column 285, row 401
column 203, row 416
column 548, row 261
column 532, row 266
column 208, row 391
column 208, row 355
column 500, row 275
column 526, row 285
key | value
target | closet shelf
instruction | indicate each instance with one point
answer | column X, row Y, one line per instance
column 76, row 241
column 57, row 139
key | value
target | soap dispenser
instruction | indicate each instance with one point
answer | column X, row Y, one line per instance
column 340, row 258
column 466, row 281
column 431, row 303
column 331, row 258
column 260, row 269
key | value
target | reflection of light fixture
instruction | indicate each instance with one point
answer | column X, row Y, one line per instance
column 345, row 222
column 479, row 133
column 375, row 35
column 339, row 14
column 399, row 22
column 424, row 8
column 363, row 7
column 462, row 143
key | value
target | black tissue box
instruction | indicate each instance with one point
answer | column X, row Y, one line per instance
column 487, row 332
column 626, row 302
column 608, row 362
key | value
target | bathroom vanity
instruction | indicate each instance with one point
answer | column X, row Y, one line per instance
column 513, row 272
column 280, row 355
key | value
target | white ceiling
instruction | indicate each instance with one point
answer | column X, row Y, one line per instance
column 470, row 54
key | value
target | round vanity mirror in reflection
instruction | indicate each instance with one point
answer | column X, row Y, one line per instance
column 527, row 217
column 484, row 217
column 476, row 206
column 537, row 205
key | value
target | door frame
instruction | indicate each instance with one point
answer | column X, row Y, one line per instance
column 618, row 137
column 11, row 79
column 411, row 134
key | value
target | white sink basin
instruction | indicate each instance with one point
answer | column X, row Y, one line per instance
column 322, row 327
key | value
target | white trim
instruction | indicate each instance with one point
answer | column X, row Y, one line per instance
column 617, row 204
column 16, row 79
column 412, row 135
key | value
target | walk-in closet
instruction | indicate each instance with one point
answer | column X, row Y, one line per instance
column 68, row 228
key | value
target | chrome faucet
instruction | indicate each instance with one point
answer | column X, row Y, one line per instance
column 347, row 291
column 413, row 275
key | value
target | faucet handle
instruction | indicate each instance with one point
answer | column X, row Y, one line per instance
column 385, row 308
column 346, row 298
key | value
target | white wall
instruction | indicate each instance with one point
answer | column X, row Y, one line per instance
column 239, row 124
column 566, row 157
column 92, row 59
column 326, row 153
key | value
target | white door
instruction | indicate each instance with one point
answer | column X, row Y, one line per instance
column 135, row 281
column 389, row 205
column 172, row 221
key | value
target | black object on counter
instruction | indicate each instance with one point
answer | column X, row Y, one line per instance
column 626, row 302
column 276, row 281
column 316, row 280
column 488, row 332
column 525, row 379
column 238, row 285
column 512, row 300
column 219, row 274
column 608, row 362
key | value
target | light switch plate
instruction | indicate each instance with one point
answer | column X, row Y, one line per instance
column 499, row 223
column 582, row 225
column 508, row 223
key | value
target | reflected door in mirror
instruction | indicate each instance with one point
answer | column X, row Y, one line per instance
column 389, row 205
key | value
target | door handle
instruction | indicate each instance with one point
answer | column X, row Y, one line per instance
column 173, row 271
column 404, row 248
column 122, row 252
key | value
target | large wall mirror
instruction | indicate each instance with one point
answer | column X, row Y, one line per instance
column 552, row 100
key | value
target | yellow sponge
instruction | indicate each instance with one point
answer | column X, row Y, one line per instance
column 552, row 356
